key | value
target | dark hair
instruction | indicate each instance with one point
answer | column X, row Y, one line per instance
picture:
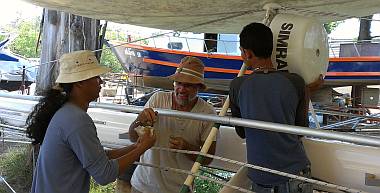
column 39, row 119
column 258, row 38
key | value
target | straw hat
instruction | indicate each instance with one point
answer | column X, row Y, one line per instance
column 79, row 65
column 190, row 70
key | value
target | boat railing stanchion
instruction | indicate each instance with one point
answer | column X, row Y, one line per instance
column 22, row 87
column 187, row 43
column 205, row 45
column 356, row 48
column 154, row 42
column 225, row 47
column 170, row 43
column 331, row 48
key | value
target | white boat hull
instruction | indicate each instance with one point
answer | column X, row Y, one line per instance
column 332, row 161
column 344, row 164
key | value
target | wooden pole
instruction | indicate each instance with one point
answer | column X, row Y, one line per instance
column 62, row 33
column 210, row 138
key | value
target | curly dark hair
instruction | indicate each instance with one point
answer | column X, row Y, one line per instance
column 39, row 119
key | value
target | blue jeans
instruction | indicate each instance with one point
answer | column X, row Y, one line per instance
column 291, row 186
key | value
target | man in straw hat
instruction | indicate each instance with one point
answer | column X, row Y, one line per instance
column 175, row 133
column 70, row 150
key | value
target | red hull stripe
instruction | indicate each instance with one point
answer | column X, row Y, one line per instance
column 222, row 56
column 353, row 74
column 356, row 59
column 208, row 69
column 233, row 71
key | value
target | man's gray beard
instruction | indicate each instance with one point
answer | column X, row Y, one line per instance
column 185, row 102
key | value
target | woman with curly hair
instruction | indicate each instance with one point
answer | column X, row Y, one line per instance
column 70, row 150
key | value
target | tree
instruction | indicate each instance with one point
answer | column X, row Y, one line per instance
column 2, row 37
column 329, row 27
column 26, row 41
column 108, row 57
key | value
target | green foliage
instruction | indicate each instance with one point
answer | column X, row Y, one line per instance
column 329, row 27
column 109, row 59
column 116, row 35
column 2, row 37
column 96, row 188
column 26, row 40
column 16, row 168
column 205, row 186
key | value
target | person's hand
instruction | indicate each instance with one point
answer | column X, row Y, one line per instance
column 147, row 140
column 317, row 84
column 178, row 143
column 147, row 117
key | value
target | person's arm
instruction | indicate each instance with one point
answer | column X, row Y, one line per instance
column 116, row 153
column 144, row 142
column 132, row 132
column 85, row 143
column 146, row 118
column 235, row 110
column 302, row 114
column 302, row 117
column 180, row 143
column 317, row 84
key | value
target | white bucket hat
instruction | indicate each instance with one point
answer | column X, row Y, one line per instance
column 79, row 65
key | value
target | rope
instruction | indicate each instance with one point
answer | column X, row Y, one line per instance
column 195, row 175
column 13, row 127
column 330, row 185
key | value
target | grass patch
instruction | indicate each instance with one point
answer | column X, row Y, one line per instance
column 16, row 168
column 18, row 172
column 96, row 188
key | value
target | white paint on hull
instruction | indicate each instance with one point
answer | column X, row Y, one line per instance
column 343, row 163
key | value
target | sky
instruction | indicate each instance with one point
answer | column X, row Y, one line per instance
column 349, row 29
column 14, row 8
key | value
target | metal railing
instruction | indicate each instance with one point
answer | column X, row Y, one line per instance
column 345, row 137
column 193, row 44
column 335, row 47
column 2, row 180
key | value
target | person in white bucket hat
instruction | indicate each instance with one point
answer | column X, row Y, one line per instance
column 70, row 150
